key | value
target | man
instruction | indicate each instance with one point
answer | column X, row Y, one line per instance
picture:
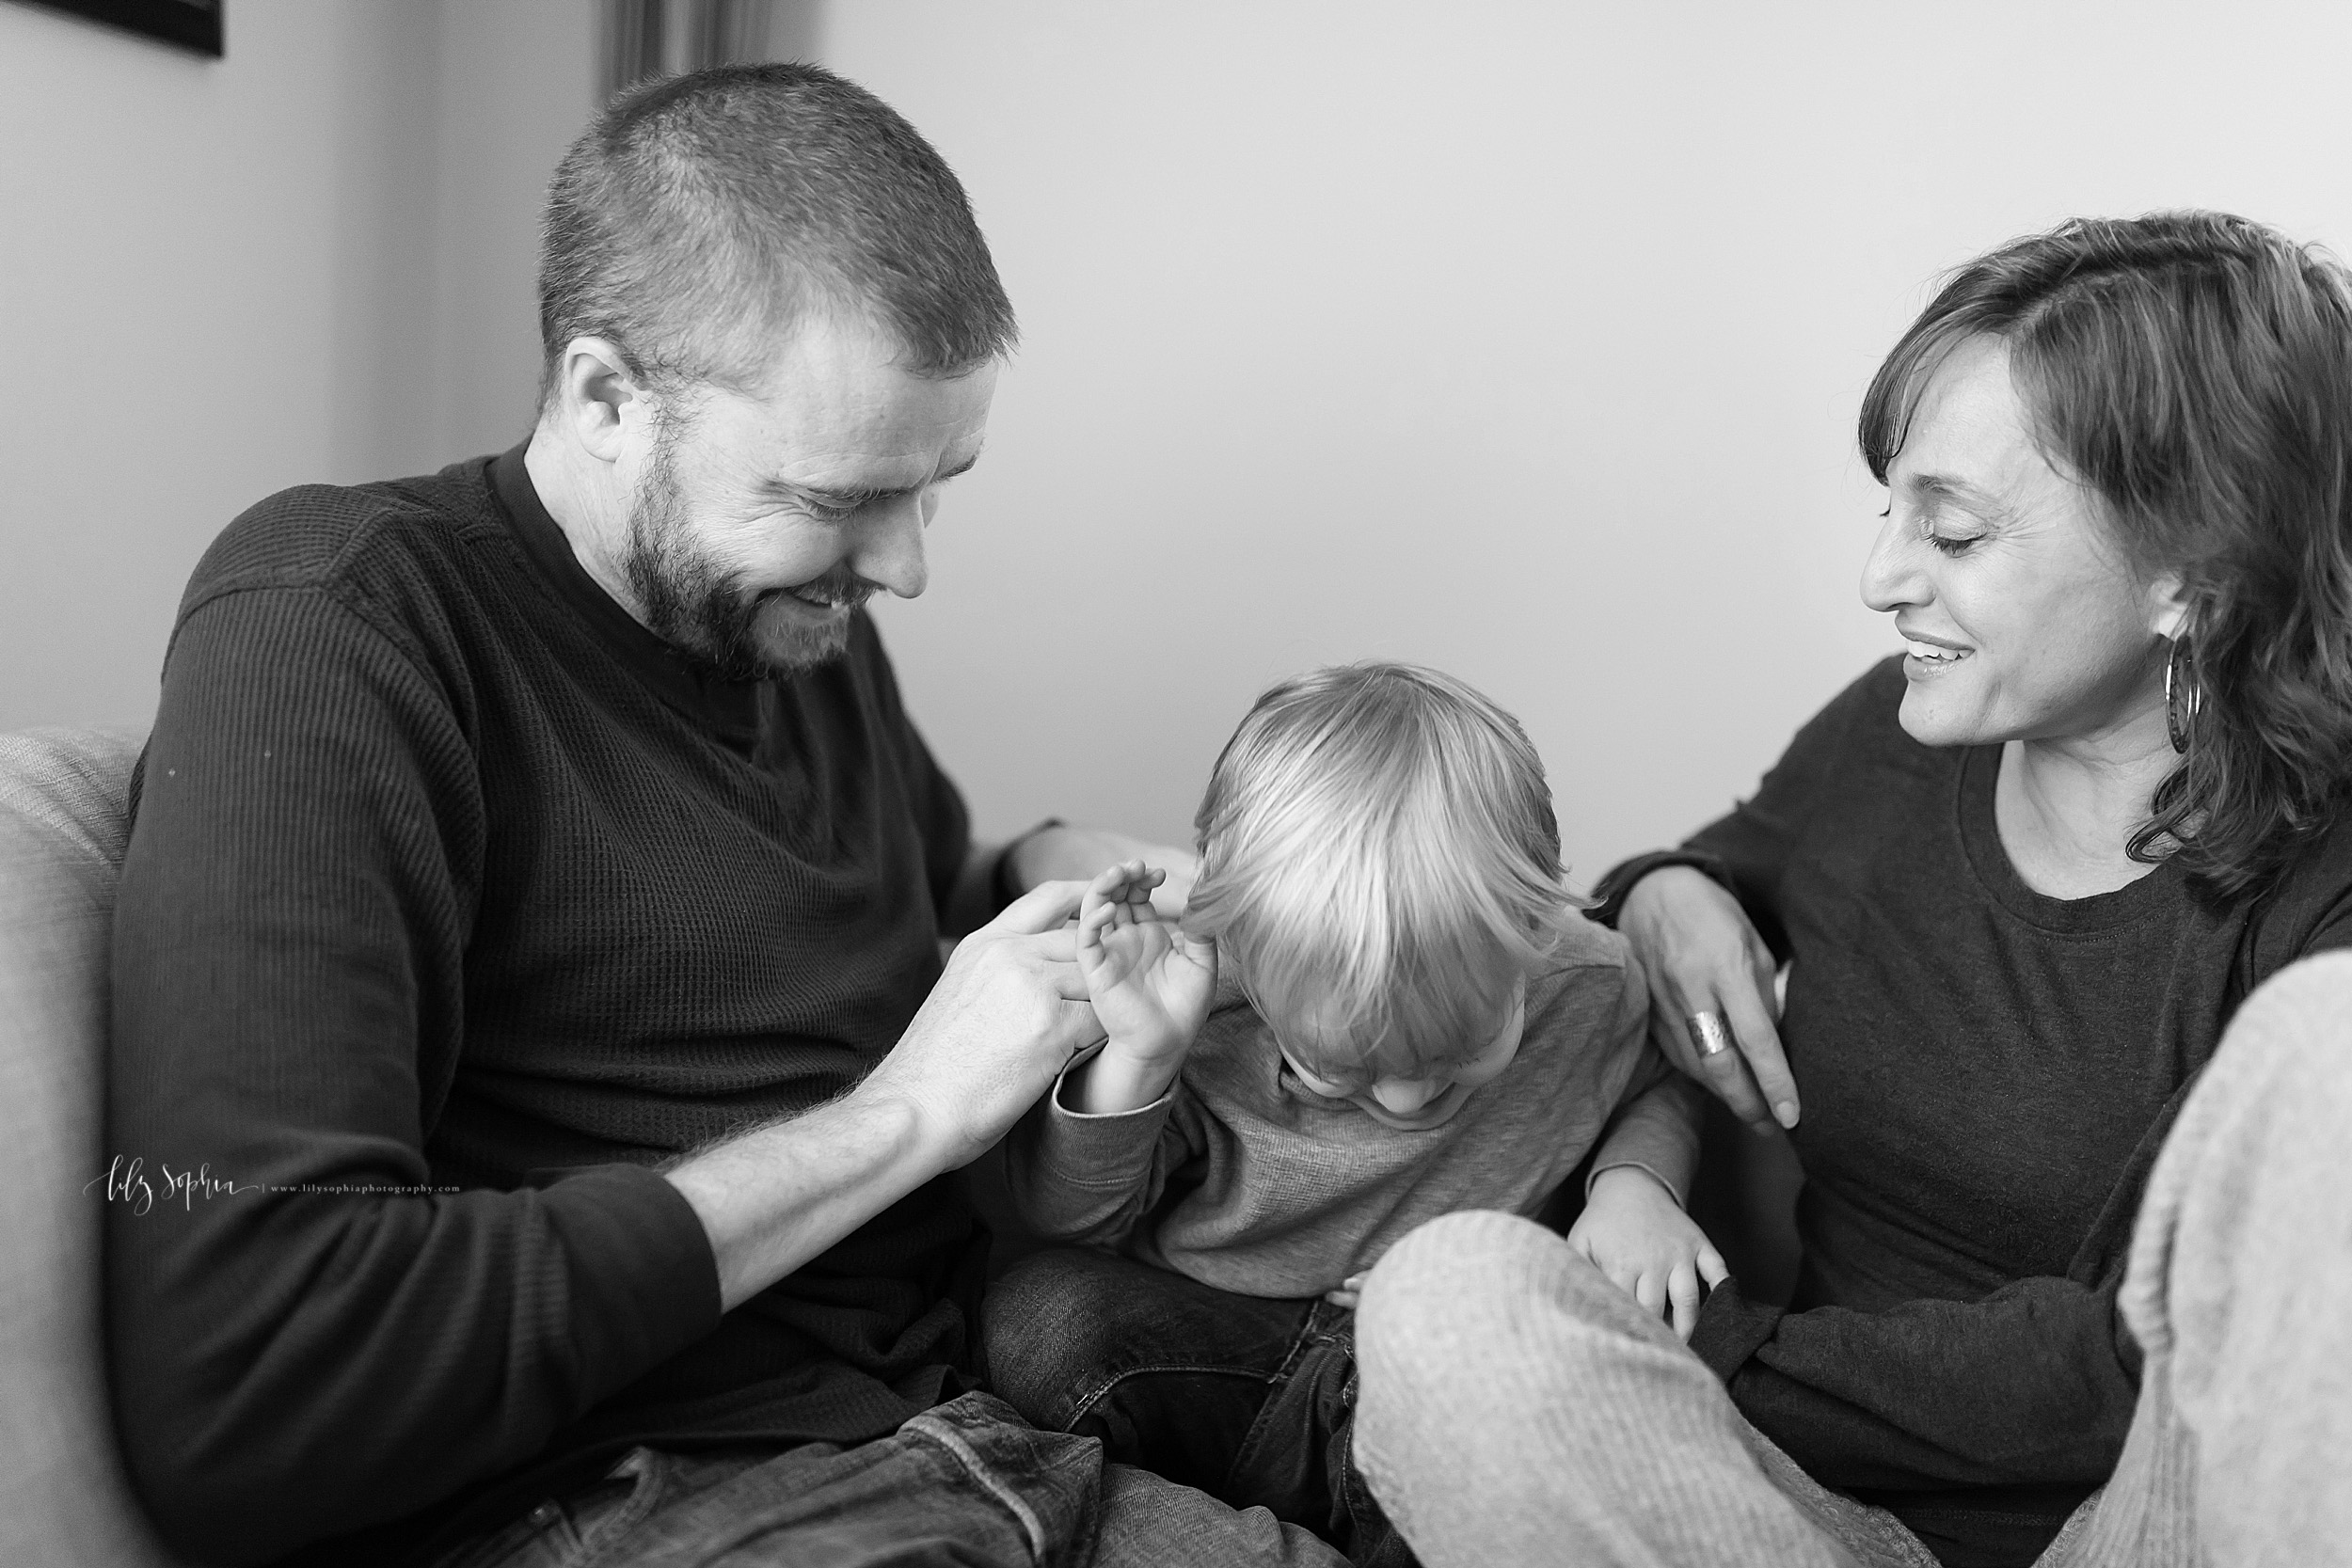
column 531, row 932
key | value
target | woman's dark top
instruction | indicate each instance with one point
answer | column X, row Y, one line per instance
column 1986, row 1075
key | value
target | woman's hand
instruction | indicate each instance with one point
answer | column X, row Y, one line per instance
column 1636, row 1233
column 1701, row 955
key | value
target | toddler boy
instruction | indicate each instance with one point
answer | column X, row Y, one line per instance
column 1382, row 1005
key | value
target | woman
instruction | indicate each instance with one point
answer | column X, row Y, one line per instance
column 2023, row 876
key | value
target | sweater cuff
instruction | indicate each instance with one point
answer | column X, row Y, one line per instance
column 1682, row 1198
column 1120, row 1124
column 644, row 1284
column 1107, row 1150
column 1731, row 1328
column 1608, row 893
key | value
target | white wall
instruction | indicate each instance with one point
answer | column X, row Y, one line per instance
column 518, row 83
column 1524, row 339
column 1521, row 339
column 220, row 278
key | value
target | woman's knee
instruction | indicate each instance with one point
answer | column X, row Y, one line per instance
column 1470, row 1280
column 1478, row 1313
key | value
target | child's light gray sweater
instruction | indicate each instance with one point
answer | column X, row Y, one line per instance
column 1245, row 1180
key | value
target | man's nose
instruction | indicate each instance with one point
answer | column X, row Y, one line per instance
column 1403, row 1096
column 1891, row 578
column 889, row 548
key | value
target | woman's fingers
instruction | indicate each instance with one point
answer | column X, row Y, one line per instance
column 1668, row 1028
column 1752, row 1032
column 1713, row 1268
column 1724, row 1072
column 1650, row 1290
column 1701, row 952
column 1682, row 1289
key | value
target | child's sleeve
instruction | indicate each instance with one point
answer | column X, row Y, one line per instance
column 1657, row 1125
column 1656, row 1130
column 1089, row 1179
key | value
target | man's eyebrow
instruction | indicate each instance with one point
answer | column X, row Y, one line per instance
column 846, row 500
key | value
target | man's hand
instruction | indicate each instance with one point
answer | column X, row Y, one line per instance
column 995, row 1033
column 1150, row 984
column 1005, row 1019
column 1064, row 854
column 1636, row 1233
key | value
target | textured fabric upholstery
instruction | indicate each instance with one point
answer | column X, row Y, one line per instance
column 63, row 1500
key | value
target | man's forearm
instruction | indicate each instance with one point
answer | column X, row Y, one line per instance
column 992, row 1034
column 772, row 1200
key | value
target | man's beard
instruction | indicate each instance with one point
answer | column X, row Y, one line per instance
column 701, row 609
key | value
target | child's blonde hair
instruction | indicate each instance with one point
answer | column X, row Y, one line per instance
column 1380, row 862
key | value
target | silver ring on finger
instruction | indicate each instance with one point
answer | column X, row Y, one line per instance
column 1712, row 1032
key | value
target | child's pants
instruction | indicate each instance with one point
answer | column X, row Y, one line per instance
column 1518, row 1409
column 1250, row 1400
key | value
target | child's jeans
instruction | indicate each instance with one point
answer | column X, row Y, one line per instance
column 1251, row 1399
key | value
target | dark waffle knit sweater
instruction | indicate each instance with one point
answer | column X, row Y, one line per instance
column 448, row 878
column 1986, row 1073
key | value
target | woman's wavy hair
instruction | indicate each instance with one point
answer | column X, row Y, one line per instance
column 2194, row 370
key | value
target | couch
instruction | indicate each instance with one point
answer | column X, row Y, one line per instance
column 64, row 1501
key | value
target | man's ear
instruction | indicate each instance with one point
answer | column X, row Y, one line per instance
column 2168, row 609
column 597, row 396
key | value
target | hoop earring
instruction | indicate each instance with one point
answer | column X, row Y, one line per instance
column 2182, row 696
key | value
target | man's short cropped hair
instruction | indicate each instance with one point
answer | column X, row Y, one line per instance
column 1381, row 864
column 700, row 216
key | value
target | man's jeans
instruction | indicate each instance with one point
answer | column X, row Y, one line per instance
column 1518, row 1408
column 1251, row 1400
column 967, row 1484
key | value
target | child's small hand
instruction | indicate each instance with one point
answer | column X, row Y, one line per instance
column 1346, row 1295
column 1636, row 1233
column 1149, row 982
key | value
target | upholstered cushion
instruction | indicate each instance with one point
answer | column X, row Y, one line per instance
column 62, row 1496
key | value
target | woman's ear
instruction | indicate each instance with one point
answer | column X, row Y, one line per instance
column 2170, row 612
